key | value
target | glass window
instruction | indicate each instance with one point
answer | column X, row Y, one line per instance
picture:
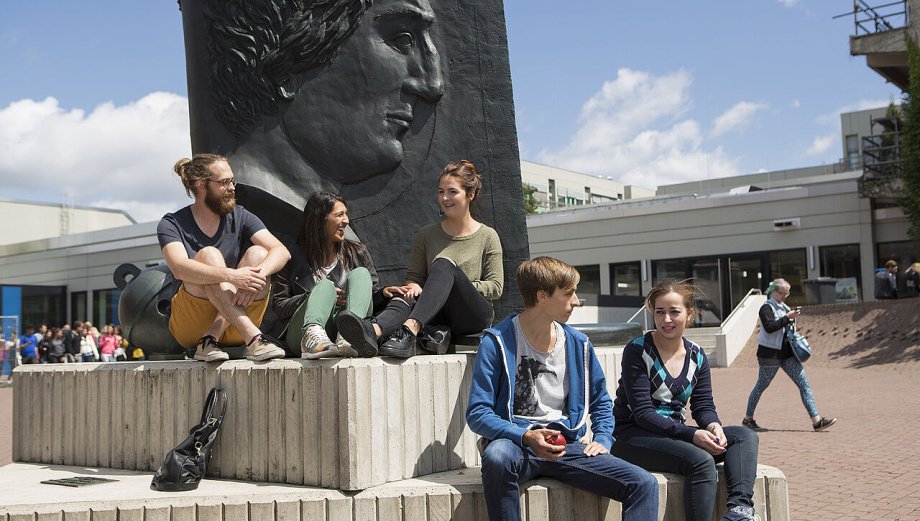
column 792, row 266
column 590, row 279
column 669, row 269
column 43, row 305
column 852, row 143
column 625, row 279
column 552, row 191
column 105, row 306
column 901, row 252
column 78, row 306
column 840, row 261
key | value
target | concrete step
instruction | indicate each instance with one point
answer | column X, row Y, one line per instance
column 343, row 424
column 455, row 495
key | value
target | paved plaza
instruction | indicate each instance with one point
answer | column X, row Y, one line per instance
column 867, row 467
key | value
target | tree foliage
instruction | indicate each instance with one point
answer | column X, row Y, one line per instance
column 910, row 150
column 530, row 200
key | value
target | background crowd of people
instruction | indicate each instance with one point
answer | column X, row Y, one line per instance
column 70, row 343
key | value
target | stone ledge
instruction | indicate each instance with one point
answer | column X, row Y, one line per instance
column 343, row 424
column 453, row 495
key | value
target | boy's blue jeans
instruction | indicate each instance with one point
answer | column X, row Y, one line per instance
column 505, row 465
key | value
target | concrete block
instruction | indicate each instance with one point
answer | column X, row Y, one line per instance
column 287, row 510
column 183, row 513
column 104, row 515
column 210, row 512
column 156, row 514
column 344, row 424
column 262, row 510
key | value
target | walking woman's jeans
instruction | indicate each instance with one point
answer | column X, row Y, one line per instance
column 320, row 307
column 796, row 372
column 659, row 453
column 505, row 465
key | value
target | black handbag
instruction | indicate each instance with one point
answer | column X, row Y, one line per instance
column 433, row 339
column 186, row 464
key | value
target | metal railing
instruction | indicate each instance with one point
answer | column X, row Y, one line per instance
column 644, row 317
column 752, row 291
column 871, row 19
column 882, row 155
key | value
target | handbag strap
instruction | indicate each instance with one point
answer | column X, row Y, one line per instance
column 207, row 414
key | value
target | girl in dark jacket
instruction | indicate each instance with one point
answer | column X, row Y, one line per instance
column 327, row 273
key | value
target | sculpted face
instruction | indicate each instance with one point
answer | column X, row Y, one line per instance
column 348, row 118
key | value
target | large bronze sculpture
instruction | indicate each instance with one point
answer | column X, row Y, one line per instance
column 366, row 98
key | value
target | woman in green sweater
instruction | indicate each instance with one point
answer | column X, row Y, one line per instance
column 455, row 271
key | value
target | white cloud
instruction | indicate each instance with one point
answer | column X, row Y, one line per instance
column 821, row 144
column 796, row 104
column 788, row 3
column 114, row 156
column 632, row 131
column 739, row 115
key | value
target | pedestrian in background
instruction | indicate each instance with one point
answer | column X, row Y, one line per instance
column 886, row 282
column 909, row 283
column 774, row 352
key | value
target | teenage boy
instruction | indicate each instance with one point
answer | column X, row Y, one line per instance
column 535, row 379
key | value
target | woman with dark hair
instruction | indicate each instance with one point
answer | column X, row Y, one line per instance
column 662, row 373
column 327, row 274
column 454, row 272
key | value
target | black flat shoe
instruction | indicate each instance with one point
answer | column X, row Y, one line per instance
column 358, row 332
column 400, row 345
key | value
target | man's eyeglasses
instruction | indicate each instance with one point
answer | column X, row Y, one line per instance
column 223, row 182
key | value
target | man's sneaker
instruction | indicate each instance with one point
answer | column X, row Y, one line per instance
column 751, row 424
column 400, row 345
column 315, row 343
column 823, row 424
column 358, row 332
column 209, row 350
column 264, row 348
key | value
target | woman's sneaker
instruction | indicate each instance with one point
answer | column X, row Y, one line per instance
column 751, row 424
column 315, row 343
column 823, row 424
column 358, row 332
column 343, row 348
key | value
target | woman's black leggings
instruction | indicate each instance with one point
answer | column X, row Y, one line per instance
column 448, row 298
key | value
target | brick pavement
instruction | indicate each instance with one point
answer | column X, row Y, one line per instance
column 867, row 467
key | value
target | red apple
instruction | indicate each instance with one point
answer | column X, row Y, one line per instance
column 557, row 439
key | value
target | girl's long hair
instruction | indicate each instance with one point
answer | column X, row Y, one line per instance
column 311, row 235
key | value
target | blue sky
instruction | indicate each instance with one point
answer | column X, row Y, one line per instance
column 92, row 104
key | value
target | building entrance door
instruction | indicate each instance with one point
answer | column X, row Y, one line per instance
column 707, row 274
column 744, row 275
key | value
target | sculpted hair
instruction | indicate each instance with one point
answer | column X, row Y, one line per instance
column 547, row 274
column 775, row 285
column 256, row 50
column 312, row 238
column 195, row 169
column 685, row 288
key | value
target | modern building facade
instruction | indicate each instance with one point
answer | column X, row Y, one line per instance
column 731, row 235
column 560, row 188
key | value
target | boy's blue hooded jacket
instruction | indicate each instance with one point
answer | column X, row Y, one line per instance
column 489, row 412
